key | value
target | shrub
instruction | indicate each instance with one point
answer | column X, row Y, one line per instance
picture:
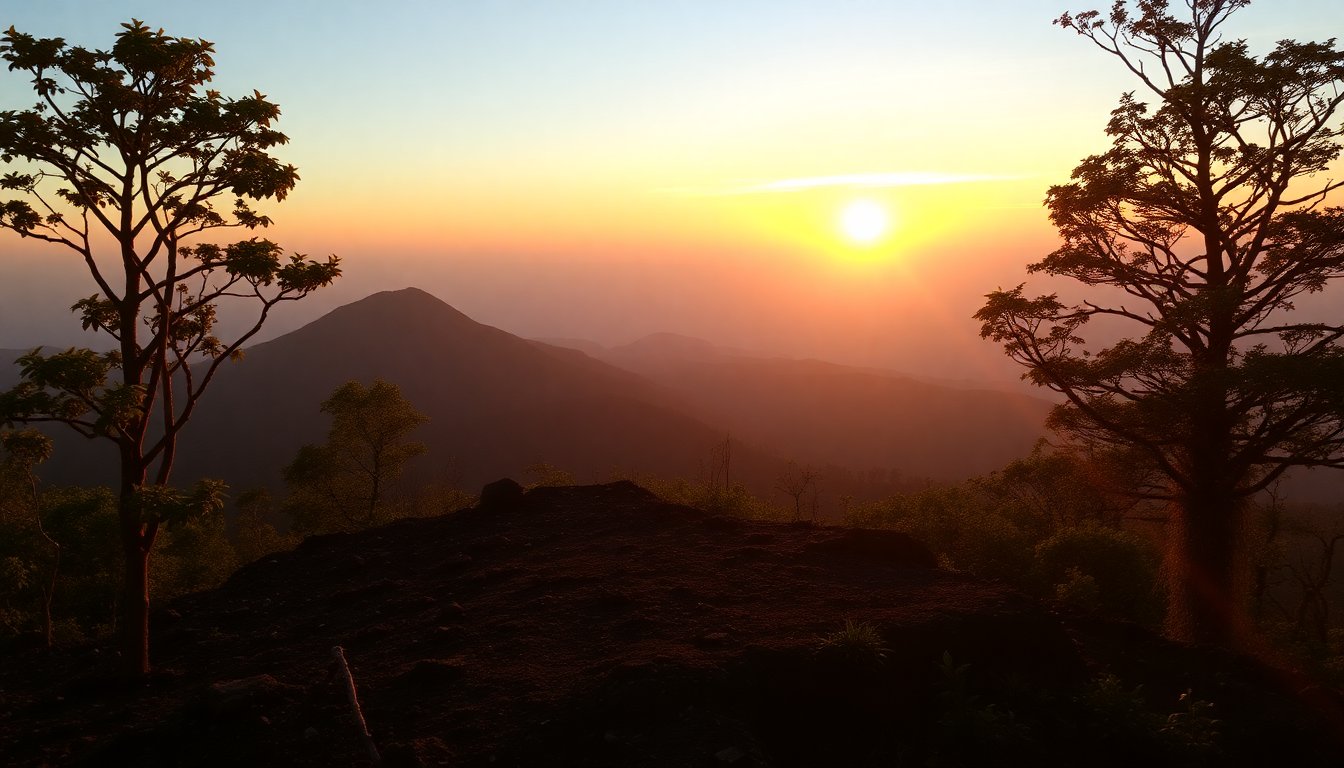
column 961, row 526
column 859, row 643
column 1122, row 566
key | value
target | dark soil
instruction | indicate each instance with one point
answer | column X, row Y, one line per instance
column 597, row 626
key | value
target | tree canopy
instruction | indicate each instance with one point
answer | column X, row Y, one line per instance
column 1199, row 229
column 346, row 483
column 127, row 160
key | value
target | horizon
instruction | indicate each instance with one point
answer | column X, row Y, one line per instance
column 603, row 352
column 605, row 173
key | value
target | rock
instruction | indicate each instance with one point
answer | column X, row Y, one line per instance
column 500, row 494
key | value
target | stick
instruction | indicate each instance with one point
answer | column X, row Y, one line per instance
column 338, row 653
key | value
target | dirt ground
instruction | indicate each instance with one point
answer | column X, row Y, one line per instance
column 598, row 626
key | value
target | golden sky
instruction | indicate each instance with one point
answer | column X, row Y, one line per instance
column 611, row 168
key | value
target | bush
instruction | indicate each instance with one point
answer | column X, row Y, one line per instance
column 961, row 526
column 859, row 644
column 1121, row 565
column 1080, row 590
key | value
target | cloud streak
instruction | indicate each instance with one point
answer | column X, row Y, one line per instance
column 850, row 181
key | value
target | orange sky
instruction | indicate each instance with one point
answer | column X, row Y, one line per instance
column 609, row 169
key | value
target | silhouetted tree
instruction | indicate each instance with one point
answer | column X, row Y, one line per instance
column 20, row 454
column 344, row 484
column 1198, row 228
column 127, row 148
column 1295, row 574
column 1068, row 486
column 795, row 482
column 254, row 534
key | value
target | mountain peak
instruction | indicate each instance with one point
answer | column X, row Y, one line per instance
column 409, row 293
column 406, row 307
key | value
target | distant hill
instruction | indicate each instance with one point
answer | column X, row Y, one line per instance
column 589, row 348
column 823, row 413
column 497, row 403
column 659, row 349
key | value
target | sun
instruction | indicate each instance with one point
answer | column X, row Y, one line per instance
column 864, row 221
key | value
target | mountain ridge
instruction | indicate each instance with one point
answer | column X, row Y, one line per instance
column 498, row 403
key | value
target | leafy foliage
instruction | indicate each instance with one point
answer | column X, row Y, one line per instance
column 1120, row 565
column 1197, row 229
column 347, row 483
column 128, row 146
column 81, row 597
column 1054, row 524
column 254, row 533
column 858, row 644
column 971, row 728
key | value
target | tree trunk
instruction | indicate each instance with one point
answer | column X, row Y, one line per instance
column 136, row 540
column 135, row 605
column 1204, row 604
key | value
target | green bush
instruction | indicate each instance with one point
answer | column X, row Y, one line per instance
column 859, row 644
column 1122, row 566
column 960, row 525
column 1079, row 589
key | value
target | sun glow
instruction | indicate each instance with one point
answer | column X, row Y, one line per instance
column 864, row 221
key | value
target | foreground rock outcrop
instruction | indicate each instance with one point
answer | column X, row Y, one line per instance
column 597, row 626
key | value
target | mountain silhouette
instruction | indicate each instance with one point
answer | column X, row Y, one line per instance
column 498, row 404
column 828, row 414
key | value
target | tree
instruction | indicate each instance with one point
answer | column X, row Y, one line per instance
column 1197, row 229
column 123, row 161
column 1068, row 486
column 344, row 484
column 254, row 535
column 795, row 482
column 20, row 453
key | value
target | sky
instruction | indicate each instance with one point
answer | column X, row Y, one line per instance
column 604, row 169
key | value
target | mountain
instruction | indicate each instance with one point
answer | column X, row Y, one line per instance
column 599, row 627
column 589, row 348
column 658, row 349
column 496, row 403
column 828, row 414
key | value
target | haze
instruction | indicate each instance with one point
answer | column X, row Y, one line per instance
column 606, row 170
